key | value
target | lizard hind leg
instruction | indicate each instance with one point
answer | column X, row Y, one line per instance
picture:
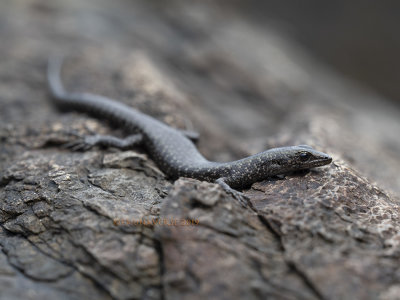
column 90, row 141
column 242, row 198
column 191, row 135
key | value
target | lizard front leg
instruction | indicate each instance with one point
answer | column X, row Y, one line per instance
column 242, row 198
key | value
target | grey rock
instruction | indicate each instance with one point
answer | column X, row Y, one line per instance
column 107, row 224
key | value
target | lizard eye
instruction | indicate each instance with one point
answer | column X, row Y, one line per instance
column 304, row 156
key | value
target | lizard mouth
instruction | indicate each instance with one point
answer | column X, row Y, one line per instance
column 324, row 160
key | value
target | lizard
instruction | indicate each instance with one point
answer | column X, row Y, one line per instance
column 173, row 150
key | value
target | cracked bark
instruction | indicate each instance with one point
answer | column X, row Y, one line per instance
column 71, row 221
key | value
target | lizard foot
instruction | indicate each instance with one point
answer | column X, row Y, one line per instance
column 81, row 144
column 239, row 196
column 87, row 142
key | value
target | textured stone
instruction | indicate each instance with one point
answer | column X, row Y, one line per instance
column 106, row 224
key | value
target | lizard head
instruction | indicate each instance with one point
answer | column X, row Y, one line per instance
column 294, row 158
column 307, row 157
column 273, row 162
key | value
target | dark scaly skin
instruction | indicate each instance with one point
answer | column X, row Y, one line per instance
column 174, row 153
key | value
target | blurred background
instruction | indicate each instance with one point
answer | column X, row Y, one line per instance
column 360, row 39
column 357, row 38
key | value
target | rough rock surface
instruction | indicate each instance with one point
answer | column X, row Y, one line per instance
column 107, row 224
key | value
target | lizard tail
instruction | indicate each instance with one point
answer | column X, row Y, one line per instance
column 53, row 77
